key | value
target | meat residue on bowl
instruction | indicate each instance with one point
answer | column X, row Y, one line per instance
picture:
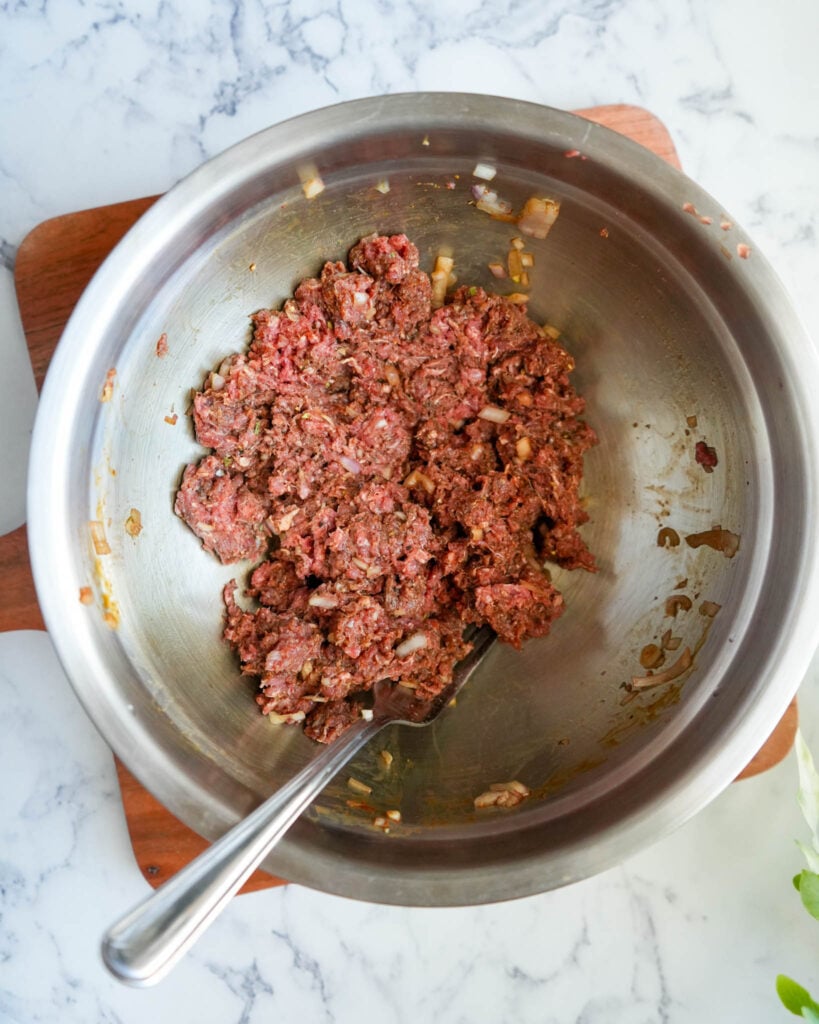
column 397, row 472
column 705, row 456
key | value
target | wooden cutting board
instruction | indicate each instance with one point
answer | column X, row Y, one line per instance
column 54, row 264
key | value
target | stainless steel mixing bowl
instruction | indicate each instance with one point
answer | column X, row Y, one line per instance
column 666, row 323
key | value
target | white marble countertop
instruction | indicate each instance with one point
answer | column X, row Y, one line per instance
column 105, row 100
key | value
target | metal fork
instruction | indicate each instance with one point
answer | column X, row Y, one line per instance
column 145, row 944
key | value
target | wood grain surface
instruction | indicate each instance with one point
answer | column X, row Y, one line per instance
column 54, row 264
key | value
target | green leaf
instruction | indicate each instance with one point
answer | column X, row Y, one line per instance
column 794, row 997
column 809, row 891
column 808, row 795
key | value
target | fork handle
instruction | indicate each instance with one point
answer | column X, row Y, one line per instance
column 145, row 944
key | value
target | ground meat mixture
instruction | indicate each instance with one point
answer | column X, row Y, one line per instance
column 397, row 473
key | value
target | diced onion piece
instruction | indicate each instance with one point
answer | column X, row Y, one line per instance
column 709, row 608
column 493, row 414
column 538, row 216
column 440, row 279
column 413, row 643
column 86, row 595
column 517, row 298
column 367, row 714
column 108, row 387
column 527, row 259
column 289, row 719
column 322, row 601
column 357, row 786
column 98, row 538
column 392, row 375
column 490, row 202
column 386, row 758
column 425, row 481
column 133, row 524
column 312, row 188
column 487, row 799
column 514, row 264
column 283, row 523
column 503, row 794
column 510, row 787
column 172, row 419
column 743, row 250
column 350, row 464
column 382, row 186
column 485, row 171
column 523, row 447
column 217, row 381
column 311, row 183
column 394, row 815
column 497, row 270
column 517, row 243
column 360, row 563
column 416, row 478
column 360, row 299
column 551, row 331
column 682, row 664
